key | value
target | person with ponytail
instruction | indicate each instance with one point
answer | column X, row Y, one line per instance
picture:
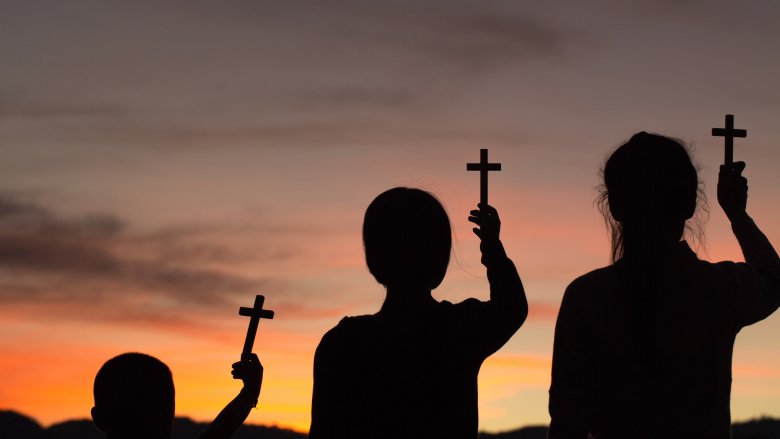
column 643, row 347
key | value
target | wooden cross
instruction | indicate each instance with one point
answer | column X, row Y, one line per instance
column 729, row 133
column 255, row 314
column 483, row 167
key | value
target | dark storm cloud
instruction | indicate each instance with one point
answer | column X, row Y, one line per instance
column 45, row 257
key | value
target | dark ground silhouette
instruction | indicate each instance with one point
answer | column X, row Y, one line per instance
column 17, row 426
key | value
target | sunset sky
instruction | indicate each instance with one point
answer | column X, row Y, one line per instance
column 163, row 162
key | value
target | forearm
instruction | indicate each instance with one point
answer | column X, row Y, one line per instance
column 756, row 248
column 506, row 288
column 231, row 417
column 759, row 254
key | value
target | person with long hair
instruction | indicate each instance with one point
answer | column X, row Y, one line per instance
column 643, row 347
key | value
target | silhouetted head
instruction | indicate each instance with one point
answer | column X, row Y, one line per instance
column 134, row 397
column 651, row 189
column 407, row 239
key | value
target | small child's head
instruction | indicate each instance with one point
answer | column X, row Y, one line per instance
column 134, row 396
column 407, row 239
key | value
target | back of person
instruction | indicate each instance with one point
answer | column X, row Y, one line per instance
column 410, row 370
column 686, row 388
column 643, row 348
column 415, row 379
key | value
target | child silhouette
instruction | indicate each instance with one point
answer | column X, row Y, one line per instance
column 643, row 347
column 410, row 370
column 134, row 398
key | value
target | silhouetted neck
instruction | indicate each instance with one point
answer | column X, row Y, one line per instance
column 407, row 299
column 650, row 240
column 669, row 251
column 659, row 246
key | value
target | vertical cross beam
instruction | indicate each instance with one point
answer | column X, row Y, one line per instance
column 729, row 133
column 255, row 314
column 483, row 167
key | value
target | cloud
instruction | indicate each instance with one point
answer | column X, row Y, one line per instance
column 47, row 110
column 521, row 361
column 486, row 41
column 293, row 74
column 46, row 257
column 355, row 97
column 742, row 370
column 298, row 311
column 543, row 311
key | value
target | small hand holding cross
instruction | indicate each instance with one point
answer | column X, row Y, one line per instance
column 250, row 371
column 486, row 217
column 733, row 190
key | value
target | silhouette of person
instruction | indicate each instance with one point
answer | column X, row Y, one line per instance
column 134, row 398
column 643, row 347
column 410, row 370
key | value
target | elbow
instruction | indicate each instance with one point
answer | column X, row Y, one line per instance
column 519, row 314
column 522, row 314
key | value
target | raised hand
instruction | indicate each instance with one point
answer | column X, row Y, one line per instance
column 488, row 222
column 488, row 230
column 250, row 371
column 225, row 425
column 732, row 190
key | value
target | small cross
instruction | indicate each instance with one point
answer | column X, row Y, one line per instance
column 255, row 314
column 729, row 133
column 483, row 167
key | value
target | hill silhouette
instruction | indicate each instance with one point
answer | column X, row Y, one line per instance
column 14, row 425
column 535, row 432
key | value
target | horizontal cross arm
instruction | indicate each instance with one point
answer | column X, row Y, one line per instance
column 480, row 166
column 722, row 132
column 252, row 312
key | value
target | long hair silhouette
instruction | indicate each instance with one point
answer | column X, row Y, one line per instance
column 650, row 191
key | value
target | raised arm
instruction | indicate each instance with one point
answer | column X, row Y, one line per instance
column 250, row 371
column 756, row 248
column 508, row 307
